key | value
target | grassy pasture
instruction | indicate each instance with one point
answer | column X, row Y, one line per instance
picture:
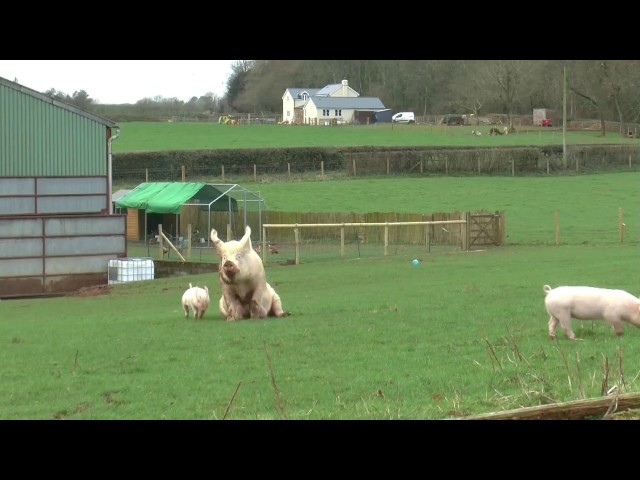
column 150, row 137
column 374, row 338
column 369, row 339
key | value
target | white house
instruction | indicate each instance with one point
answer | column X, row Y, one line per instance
column 333, row 104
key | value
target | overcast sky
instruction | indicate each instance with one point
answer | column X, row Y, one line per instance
column 122, row 81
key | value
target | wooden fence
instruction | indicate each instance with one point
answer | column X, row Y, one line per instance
column 473, row 231
column 331, row 235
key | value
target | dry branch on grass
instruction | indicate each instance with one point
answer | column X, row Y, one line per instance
column 279, row 403
column 231, row 401
column 574, row 410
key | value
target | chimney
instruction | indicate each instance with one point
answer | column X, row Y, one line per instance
column 345, row 84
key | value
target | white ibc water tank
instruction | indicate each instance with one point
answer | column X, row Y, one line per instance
column 124, row 270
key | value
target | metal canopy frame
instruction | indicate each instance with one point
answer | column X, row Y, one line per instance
column 239, row 194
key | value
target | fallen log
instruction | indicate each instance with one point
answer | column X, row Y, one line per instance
column 573, row 410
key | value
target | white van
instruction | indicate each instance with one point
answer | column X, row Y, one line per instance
column 404, row 117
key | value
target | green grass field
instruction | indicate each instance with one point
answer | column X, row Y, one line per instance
column 368, row 338
column 373, row 339
column 150, row 137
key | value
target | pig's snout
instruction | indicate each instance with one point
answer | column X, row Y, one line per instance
column 230, row 268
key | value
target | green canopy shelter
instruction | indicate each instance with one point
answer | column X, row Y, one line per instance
column 170, row 197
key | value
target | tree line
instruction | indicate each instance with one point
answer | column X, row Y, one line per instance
column 606, row 90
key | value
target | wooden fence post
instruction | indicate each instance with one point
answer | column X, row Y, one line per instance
column 353, row 162
column 289, row 170
column 146, row 174
column 386, row 240
column 222, row 173
column 621, row 224
column 296, row 232
column 255, row 173
column 189, row 237
column 184, row 173
column 427, row 237
column 322, row 168
column 503, row 228
column 466, row 236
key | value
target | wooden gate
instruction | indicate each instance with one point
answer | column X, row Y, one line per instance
column 485, row 229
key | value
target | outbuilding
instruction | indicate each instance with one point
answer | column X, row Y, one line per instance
column 57, row 230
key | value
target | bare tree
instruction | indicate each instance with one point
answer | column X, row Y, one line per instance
column 470, row 89
column 586, row 80
column 507, row 76
column 237, row 80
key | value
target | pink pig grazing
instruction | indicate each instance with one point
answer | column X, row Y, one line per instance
column 590, row 303
column 195, row 299
column 245, row 291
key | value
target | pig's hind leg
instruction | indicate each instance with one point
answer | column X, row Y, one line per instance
column 276, row 307
column 565, row 322
column 553, row 324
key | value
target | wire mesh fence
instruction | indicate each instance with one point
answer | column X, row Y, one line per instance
column 500, row 162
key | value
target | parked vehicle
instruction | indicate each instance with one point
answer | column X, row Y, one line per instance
column 404, row 117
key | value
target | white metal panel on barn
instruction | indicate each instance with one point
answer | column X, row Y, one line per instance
column 52, row 255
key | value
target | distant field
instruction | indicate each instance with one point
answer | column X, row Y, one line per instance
column 587, row 204
column 156, row 137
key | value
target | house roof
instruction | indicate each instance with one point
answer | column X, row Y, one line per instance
column 169, row 197
column 329, row 89
column 352, row 103
column 45, row 98
column 298, row 91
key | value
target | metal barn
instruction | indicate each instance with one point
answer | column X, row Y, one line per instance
column 57, row 228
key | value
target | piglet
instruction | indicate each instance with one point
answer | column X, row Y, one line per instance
column 195, row 299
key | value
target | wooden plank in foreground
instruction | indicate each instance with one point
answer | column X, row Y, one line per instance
column 573, row 410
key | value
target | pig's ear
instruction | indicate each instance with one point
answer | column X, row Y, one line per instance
column 245, row 241
column 219, row 244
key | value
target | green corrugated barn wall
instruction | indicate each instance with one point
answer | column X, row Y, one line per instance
column 42, row 137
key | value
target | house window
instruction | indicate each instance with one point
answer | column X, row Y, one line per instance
column 338, row 113
column 325, row 112
column 288, row 113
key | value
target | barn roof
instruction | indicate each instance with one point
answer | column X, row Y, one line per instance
column 47, row 99
column 117, row 195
